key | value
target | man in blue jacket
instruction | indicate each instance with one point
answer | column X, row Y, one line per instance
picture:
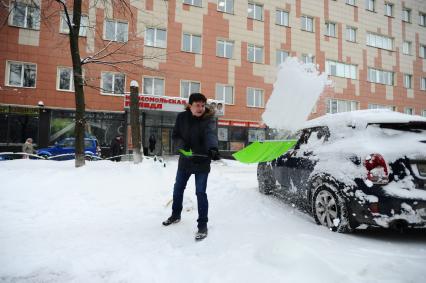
column 194, row 131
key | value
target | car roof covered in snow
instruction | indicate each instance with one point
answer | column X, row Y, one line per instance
column 361, row 118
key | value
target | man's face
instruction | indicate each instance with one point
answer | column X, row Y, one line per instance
column 198, row 108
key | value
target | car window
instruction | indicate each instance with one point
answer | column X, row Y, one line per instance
column 87, row 143
column 68, row 143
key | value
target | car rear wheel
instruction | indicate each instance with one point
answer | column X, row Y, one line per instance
column 329, row 209
column 265, row 178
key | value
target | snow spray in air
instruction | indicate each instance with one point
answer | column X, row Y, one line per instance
column 296, row 90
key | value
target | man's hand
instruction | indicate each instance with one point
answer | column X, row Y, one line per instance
column 214, row 154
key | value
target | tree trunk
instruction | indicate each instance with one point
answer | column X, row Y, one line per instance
column 135, row 123
column 80, row 122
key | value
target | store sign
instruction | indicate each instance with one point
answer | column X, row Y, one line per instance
column 18, row 110
column 158, row 103
column 246, row 124
column 171, row 104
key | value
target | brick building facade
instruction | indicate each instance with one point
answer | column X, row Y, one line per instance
column 374, row 51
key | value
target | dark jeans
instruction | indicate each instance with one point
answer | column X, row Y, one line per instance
column 200, row 190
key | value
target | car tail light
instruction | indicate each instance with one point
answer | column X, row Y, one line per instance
column 377, row 170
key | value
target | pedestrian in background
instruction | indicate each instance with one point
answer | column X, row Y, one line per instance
column 28, row 147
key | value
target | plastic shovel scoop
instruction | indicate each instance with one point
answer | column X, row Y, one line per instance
column 263, row 151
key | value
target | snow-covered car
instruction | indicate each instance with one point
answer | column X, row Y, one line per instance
column 355, row 169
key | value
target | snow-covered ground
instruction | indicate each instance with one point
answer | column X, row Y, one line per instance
column 102, row 223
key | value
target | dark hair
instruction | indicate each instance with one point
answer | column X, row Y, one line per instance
column 197, row 97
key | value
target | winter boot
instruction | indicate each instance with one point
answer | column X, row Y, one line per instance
column 171, row 220
column 201, row 234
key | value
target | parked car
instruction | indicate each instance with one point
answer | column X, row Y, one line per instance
column 66, row 148
column 355, row 169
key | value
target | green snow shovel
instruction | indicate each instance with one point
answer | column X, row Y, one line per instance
column 263, row 151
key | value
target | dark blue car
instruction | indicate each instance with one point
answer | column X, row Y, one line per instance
column 66, row 148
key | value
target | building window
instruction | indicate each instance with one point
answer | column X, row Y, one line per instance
column 255, row 53
column 370, row 5
column 408, row 81
column 20, row 74
column 406, row 15
column 224, row 48
column 188, row 87
column 422, row 19
column 65, row 80
column 255, row 11
column 308, row 58
column 156, row 37
column 225, row 93
column 424, row 113
column 406, row 47
column 307, row 23
column 423, row 51
column 226, row 6
column 351, row 34
column 113, row 83
column 191, row 43
column 380, row 106
column 84, row 24
column 330, row 29
column 281, row 18
column 255, row 97
column 409, row 110
column 337, row 106
column 380, row 76
column 423, row 83
column 334, row 68
column 197, row 3
column 281, row 56
column 153, row 86
column 25, row 15
column 116, row 31
column 379, row 41
column 389, row 9
column 351, row 2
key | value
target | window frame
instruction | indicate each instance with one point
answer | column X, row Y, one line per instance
column 27, row 6
column 328, row 29
column 254, row 17
column 412, row 110
column 422, row 19
column 255, row 48
column 350, row 2
column 384, row 40
column 422, row 83
column 116, row 22
column 113, row 83
column 350, row 69
column 22, row 63
column 191, row 3
column 355, row 31
column 281, row 13
column 63, row 26
column 225, row 5
column 408, row 81
column 391, row 5
column 225, row 44
column 155, row 37
column 189, row 88
column 276, row 56
column 406, row 11
column 262, row 92
column 191, row 43
column 58, row 79
column 350, row 103
column 304, row 23
column 153, row 78
column 407, row 44
column 305, row 56
column 422, row 51
column 378, row 73
column 224, row 93
column 368, row 4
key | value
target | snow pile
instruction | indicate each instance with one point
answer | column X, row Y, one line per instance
column 295, row 93
column 102, row 223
